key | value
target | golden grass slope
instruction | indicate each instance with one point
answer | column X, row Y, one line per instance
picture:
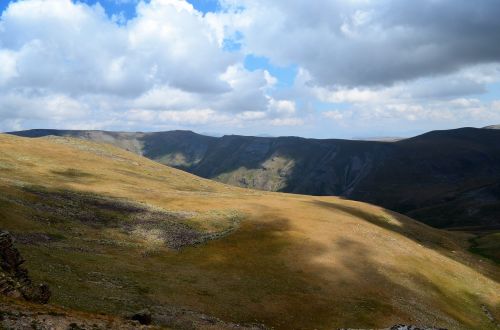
column 294, row 262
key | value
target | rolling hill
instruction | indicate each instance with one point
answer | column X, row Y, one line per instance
column 447, row 179
column 113, row 232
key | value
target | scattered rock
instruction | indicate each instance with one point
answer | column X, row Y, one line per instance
column 34, row 238
column 489, row 315
column 413, row 327
column 402, row 327
column 170, row 228
column 143, row 317
column 180, row 318
column 14, row 279
column 14, row 315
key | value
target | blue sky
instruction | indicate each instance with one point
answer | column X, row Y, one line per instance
column 128, row 6
column 285, row 74
column 332, row 69
column 205, row 5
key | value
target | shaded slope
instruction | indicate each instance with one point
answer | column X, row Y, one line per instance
column 293, row 261
column 443, row 178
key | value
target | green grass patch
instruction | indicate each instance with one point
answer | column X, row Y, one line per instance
column 486, row 245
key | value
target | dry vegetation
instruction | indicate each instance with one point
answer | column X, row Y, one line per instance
column 102, row 227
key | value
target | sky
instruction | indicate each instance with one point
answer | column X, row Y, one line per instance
column 323, row 69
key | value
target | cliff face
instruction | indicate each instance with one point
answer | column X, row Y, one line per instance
column 289, row 164
column 443, row 178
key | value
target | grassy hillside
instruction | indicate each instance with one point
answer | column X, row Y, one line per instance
column 445, row 179
column 114, row 232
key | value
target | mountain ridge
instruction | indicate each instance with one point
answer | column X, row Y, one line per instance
column 445, row 178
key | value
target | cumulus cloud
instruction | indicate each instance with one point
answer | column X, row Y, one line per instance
column 466, row 82
column 359, row 64
column 168, row 43
column 419, row 116
column 168, row 64
column 354, row 43
column 190, row 117
column 286, row 107
column 287, row 122
column 8, row 68
column 27, row 105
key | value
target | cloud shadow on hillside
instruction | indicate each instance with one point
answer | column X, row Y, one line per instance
column 273, row 276
column 265, row 273
column 431, row 240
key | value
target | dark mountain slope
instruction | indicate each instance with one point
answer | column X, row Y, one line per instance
column 443, row 178
column 291, row 164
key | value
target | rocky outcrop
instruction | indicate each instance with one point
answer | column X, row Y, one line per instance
column 17, row 315
column 14, row 279
column 402, row 327
column 413, row 327
column 181, row 318
column 143, row 317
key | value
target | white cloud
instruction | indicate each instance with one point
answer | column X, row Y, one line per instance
column 77, row 49
column 464, row 83
column 64, row 59
column 164, row 97
column 57, row 107
column 336, row 115
column 420, row 116
column 287, row 122
column 194, row 117
column 282, row 107
column 8, row 68
column 252, row 115
column 360, row 64
column 369, row 43
column 343, row 95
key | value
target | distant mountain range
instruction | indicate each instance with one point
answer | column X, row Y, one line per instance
column 493, row 127
column 447, row 179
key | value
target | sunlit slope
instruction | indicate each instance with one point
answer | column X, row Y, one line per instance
column 112, row 232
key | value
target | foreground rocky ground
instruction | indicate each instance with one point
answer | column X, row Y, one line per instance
column 18, row 315
column 16, row 284
column 18, row 308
